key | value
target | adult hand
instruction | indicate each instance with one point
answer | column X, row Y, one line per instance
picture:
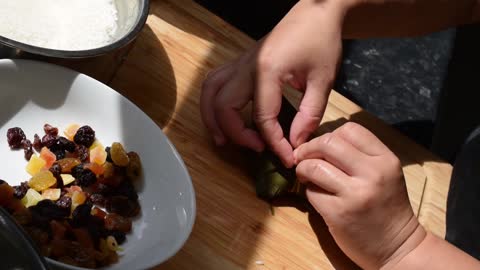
column 302, row 51
column 356, row 183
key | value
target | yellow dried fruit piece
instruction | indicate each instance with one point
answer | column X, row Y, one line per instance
column 35, row 165
column 31, row 198
column 112, row 244
column 71, row 130
column 67, row 179
column 51, row 194
column 118, row 154
column 134, row 168
column 42, row 181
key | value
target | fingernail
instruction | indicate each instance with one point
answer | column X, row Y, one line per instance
column 295, row 160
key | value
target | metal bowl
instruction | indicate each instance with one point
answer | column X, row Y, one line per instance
column 132, row 15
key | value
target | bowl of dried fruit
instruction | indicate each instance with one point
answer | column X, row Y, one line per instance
column 91, row 179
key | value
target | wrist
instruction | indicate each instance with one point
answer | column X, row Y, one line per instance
column 416, row 239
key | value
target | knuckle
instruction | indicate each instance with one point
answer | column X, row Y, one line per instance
column 350, row 128
column 264, row 62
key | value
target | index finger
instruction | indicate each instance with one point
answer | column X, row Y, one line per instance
column 267, row 104
column 362, row 138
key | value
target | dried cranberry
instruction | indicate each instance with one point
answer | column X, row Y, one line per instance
column 123, row 206
column 37, row 143
column 64, row 202
column 49, row 140
column 27, row 149
column 97, row 199
column 20, row 191
column 116, row 222
column 15, row 136
column 82, row 152
column 85, row 177
column 50, row 130
column 85, row 136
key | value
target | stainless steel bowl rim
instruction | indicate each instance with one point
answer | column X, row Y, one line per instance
column 142, row 18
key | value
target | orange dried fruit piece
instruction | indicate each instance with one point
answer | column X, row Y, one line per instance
column 67, row 164
column 95, row 168
column 35, row 165
column 118, row 154
column 78, row 198
column 52, row 194
column 48, row 156
column 98, row 155
column 71, row 130
column 42, row 180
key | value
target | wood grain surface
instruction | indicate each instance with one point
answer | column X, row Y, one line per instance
column 162, row 73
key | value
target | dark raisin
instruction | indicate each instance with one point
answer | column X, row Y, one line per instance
column 20, row 191
column 123, row 206
column 48, row 140
column 97, row 199
column 109, row 156
column 67, row 144
column 95, row 227
column 15, row 136
column 104, row 189
column 49, row 210
column 127, row 189
column 119, row 236
column 64, row 202
column 82, row 152
column 60, row 154
column 56, row 169
column 85, row 177
column 2, row 182
column 50, row 130
column 27, row 149
column 84, row 136
column 81, row 214
column 37, row 143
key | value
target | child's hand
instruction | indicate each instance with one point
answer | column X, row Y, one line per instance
column 356, row 183
column 303, row 51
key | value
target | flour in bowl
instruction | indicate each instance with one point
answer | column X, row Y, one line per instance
column 59, row 24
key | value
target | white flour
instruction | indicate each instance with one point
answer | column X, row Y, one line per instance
column 59, row 24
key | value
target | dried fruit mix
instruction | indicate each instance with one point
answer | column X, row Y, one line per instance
column 79, row 203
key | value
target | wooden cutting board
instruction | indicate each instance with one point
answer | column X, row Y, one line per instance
column 162, row 73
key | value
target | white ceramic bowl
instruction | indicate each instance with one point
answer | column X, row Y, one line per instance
column 34, row 93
